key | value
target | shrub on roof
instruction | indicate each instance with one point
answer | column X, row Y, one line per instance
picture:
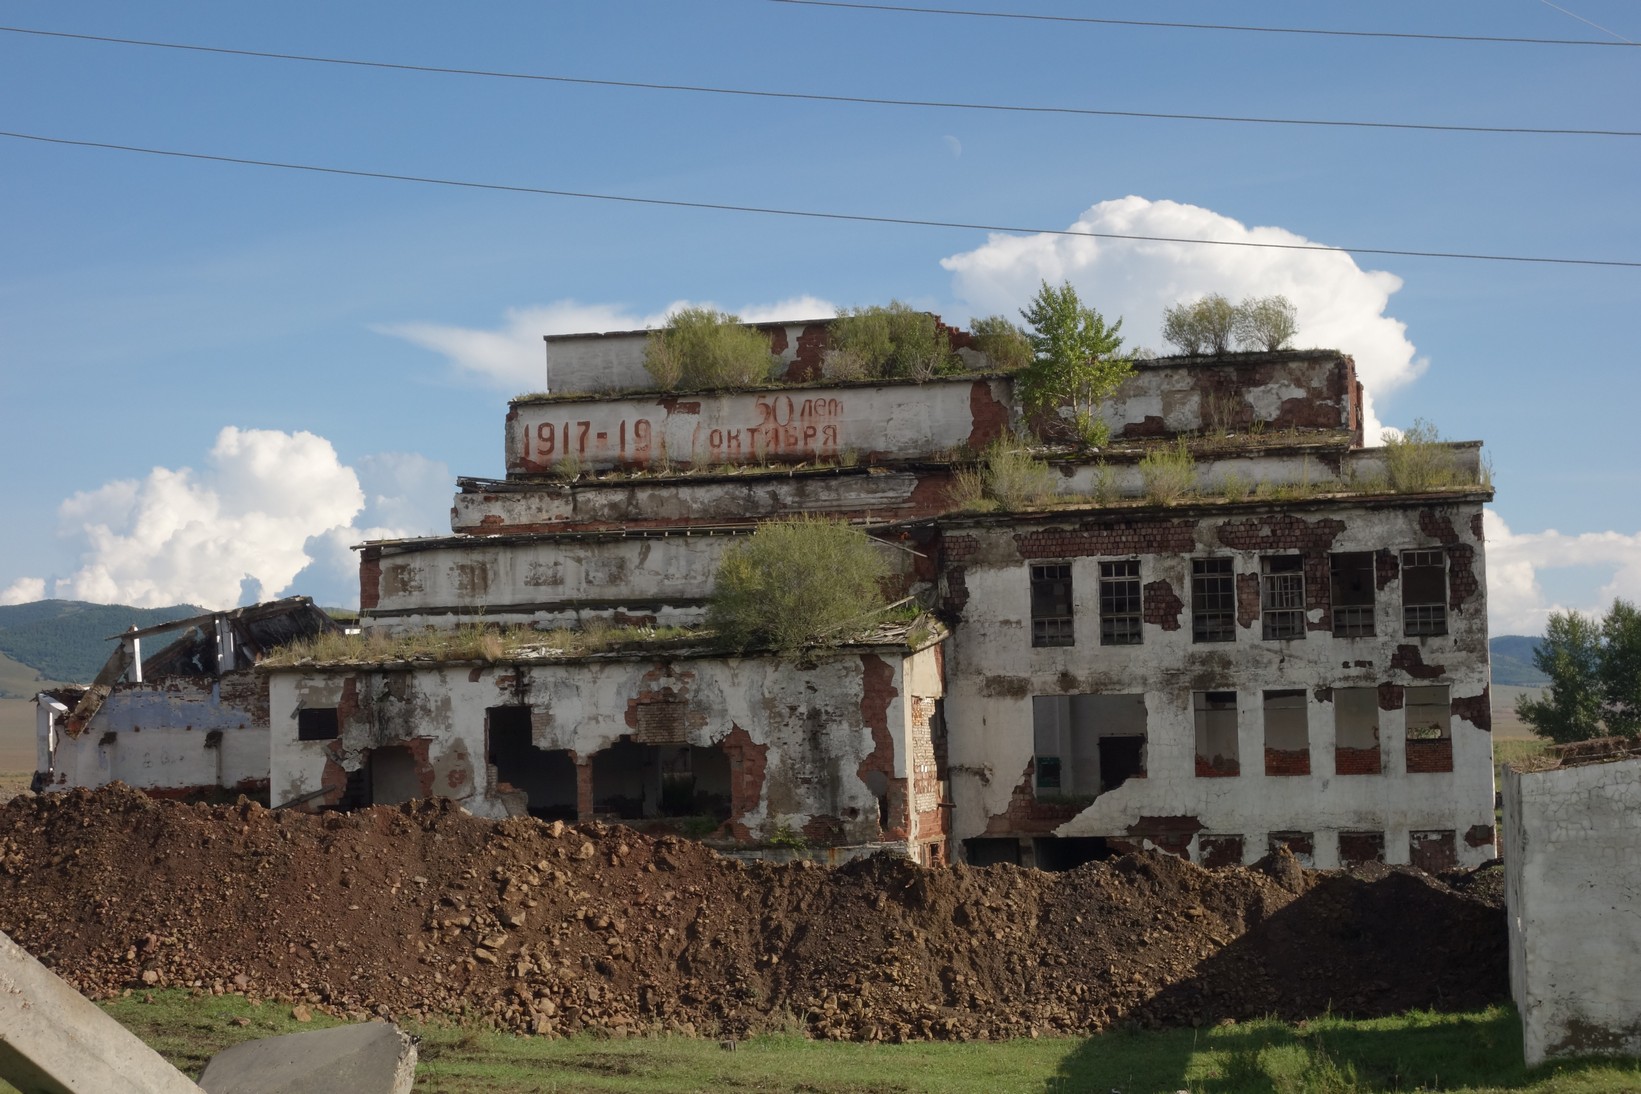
column 893, row 342
column 797, row 583
column 703, row 348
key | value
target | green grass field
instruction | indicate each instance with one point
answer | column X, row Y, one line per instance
column 1478, row 1051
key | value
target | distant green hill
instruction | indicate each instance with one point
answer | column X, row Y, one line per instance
column 68, row 639
column 1513, row 666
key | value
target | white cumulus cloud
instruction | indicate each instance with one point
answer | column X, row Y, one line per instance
column 513, row 358
column 265, row 507
column 25, row 590
column 1517, row 602
column 1340, row 305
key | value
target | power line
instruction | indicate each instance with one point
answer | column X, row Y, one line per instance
column 859, row 218
column 808, row 97
column 1206, row 26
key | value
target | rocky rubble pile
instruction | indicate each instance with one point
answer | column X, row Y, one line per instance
column 424, row 910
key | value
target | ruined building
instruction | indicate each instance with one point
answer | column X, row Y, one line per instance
column 187, row 720
column 1289, row 646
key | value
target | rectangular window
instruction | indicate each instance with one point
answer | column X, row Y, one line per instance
column 1051, row 613
column 1213, row 600
column 1120, row 603
column 1287, row 734
column 1282, row 596
column 1424, row 593
column 317, row 724
column 1086, row 744
column 1429, row 746
column 1352, row 594
column 1356, row 732
column 1215, row 713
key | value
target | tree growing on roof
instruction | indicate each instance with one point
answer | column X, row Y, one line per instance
column 888, row 342
column 1594, row 666
column 1078, row 359
column 1201, row 326
column 798, row 583
column 1265, row 323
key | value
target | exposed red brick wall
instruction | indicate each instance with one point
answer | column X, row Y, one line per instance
column 1361, row 848
column 748, row 762
column 661, row 711
column 878, row 693
column 1149, row 426
column 370, row 577
column 1433, row 852
column 1279, row 532
column 960, row 548
column 1428, row 757
column 1475, row 709
column 1480, row 835
column 246, row 691
column 989, row 416
column 1281, row 761
column 1392, row 696
column 823, row 830
column 1410, row 660
column 1214, row 851
column 1300, row 843
column 1438, row 526
column 1247, row 600
column 1387, row 567
column 1358, row 761
column 1477, row 526
column 1461, row 575
column 1025, row 815
column 957, row 589
column 1161, row 607
column 1110, row 537
column 1217, row 768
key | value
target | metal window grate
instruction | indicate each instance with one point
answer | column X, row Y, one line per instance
column 1051, row 605
column 1424, row 593
column 1282, row 596
column 1120, row 603
column 1213, row 600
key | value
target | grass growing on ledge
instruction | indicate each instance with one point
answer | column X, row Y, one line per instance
column 470, row 643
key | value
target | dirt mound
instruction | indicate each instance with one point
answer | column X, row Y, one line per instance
column 424, row 910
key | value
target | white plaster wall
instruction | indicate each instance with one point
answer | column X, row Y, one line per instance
column 995, row 671
column 160, row 731
column 744, row 498
column 783, row 425
column 810, row 718
column 1573, row 886
column 521, row 577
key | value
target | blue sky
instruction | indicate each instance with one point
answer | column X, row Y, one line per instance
column 216, row 377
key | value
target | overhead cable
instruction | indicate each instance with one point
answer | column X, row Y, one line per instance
column 812, row 97
column 813, row 214
column 1496, row 39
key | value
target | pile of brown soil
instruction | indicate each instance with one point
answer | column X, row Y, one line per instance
column 424, row 910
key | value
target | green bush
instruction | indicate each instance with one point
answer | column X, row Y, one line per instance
column 1004, row 344
column 795, row 583
column 1168, row 474
column 1013, row 477
column 1202, row 326
column 1265, row 323
column 701, row 349
column 896, row 342
column 1418, row 459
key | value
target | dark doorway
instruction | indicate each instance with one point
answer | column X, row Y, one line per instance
column 632, row 781
column 1121, row 759
column 991, row 851
column 1068, row 852
column 546, row 777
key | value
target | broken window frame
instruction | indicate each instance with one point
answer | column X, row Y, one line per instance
column 1424, row 592
column 1351, row 575
column 1121, row 604
column 1213, row 599
column 318, row 724
column 1282, row 597
column 1053, row 610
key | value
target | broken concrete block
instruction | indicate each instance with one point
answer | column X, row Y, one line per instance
column 53, row 1040
column 368, row 1058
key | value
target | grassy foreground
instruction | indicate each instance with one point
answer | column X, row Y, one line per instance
column 1476, row 1051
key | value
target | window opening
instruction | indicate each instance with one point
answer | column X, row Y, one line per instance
column 1429, row 729
column 1215, row 713
column 1213, row 600
column 1120, row 603
column 546, row 777
column 1353, row 580
column 1356, row 732
column 1051, row 608
column 1086, row 745
column 1282, row 596
column 1424, row 593
column 317, row 724
column 1287, row 735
